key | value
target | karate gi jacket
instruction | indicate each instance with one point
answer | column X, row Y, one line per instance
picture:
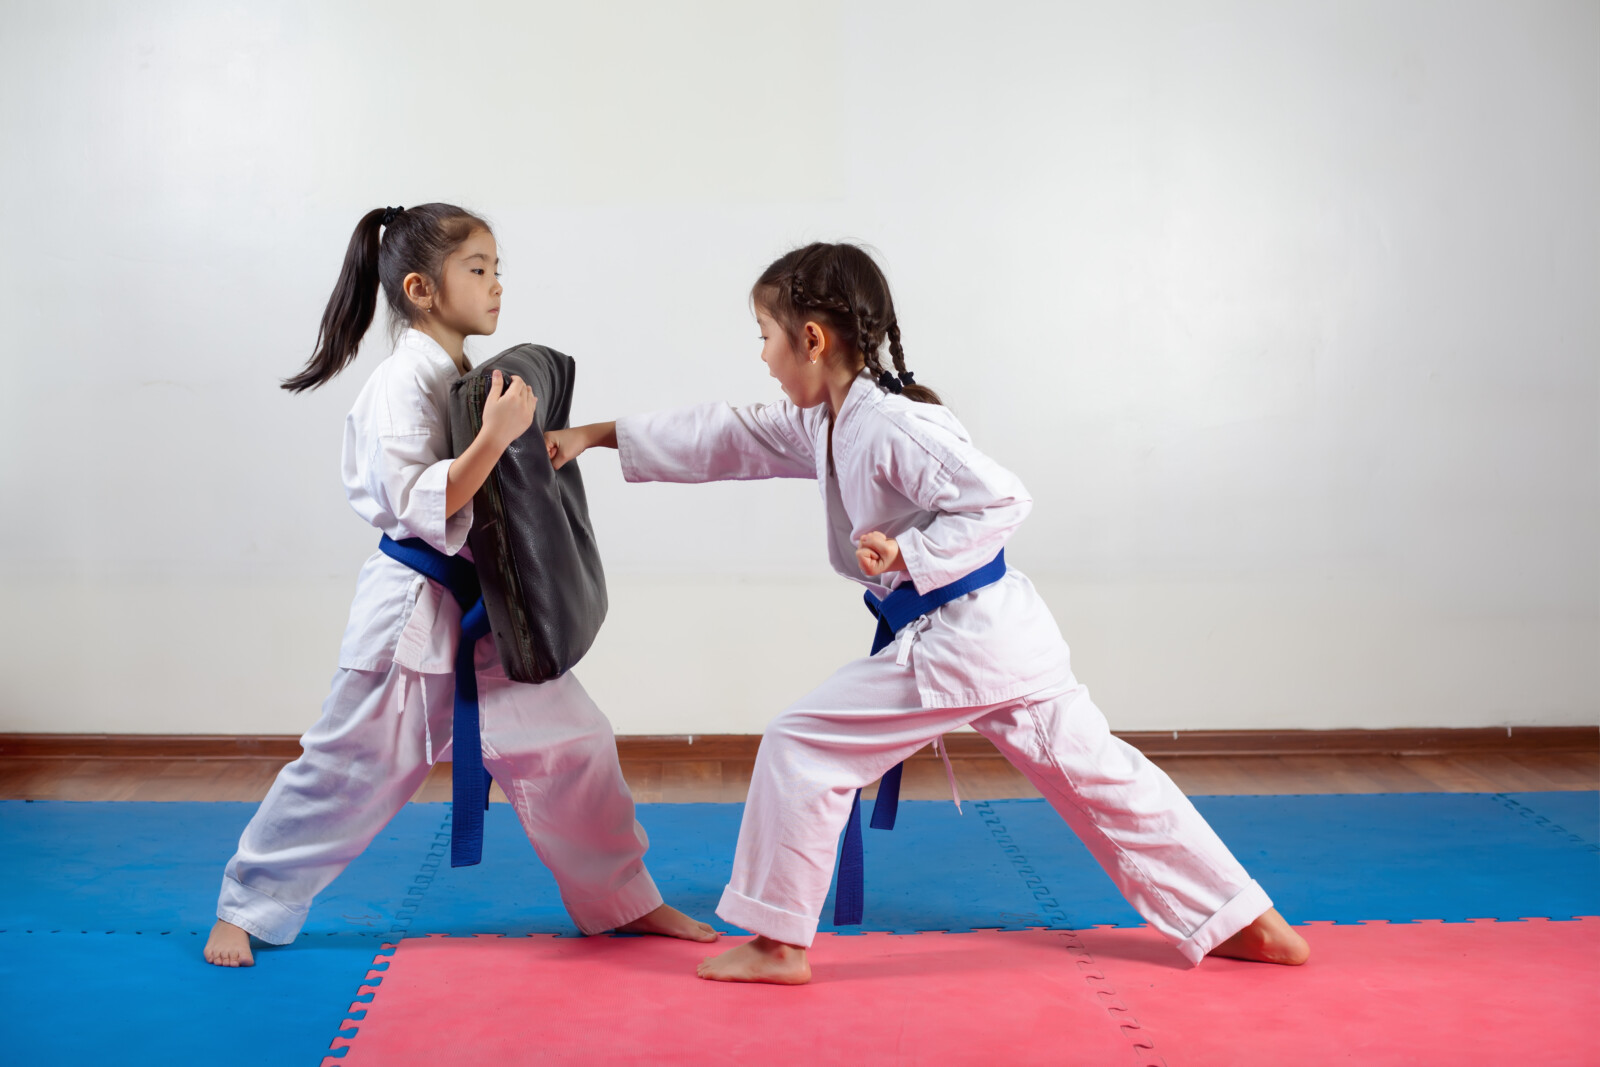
column 910, row 471
column 396, row 462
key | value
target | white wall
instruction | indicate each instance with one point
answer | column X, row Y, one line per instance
column 1285, row 313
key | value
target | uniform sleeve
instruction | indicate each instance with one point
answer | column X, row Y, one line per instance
column 716, row 442
column 396, row 472
column 410, row 481
column 976, row 504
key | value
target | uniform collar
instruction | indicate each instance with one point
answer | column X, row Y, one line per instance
column 414, row 340
column 863, row 391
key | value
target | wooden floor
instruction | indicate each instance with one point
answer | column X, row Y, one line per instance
column 719, row 780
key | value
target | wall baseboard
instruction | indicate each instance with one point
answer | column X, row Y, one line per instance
column 1409, row 742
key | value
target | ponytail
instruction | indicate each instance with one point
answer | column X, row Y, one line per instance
column 841, row 285
column 413, row 240
column 349, row 310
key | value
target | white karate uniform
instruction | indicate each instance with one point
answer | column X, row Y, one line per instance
column 548, row 746
column 993, row 658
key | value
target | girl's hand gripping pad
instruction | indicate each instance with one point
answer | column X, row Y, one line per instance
column 531, row 539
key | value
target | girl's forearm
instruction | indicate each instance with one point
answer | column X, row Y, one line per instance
column 469, row 471
column 603, row 434
column 567, row 445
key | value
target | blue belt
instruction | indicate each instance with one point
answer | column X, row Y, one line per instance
column 894, row 612
column 469, row 789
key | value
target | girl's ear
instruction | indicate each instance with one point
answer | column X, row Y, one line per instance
column 814, row 342
column 419, row 291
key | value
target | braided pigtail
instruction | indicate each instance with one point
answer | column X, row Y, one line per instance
column 869, row 339
column 908, row 384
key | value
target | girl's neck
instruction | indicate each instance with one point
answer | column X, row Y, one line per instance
column 448, row 339
column 840, row 379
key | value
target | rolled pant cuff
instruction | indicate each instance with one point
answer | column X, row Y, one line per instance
column 1249, row 904
column 637, row 898
column 256, row 913
column 766, row 920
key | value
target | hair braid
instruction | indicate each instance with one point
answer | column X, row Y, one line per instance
column 897, row 353
column 912, row 391
column 868, row 339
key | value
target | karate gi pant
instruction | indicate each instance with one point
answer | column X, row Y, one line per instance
column 548, row 746
column 1160, row 852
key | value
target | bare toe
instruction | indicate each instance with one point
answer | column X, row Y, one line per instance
column 228, row 946
column 667, row 921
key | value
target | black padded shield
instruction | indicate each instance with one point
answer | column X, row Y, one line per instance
column 531, row 539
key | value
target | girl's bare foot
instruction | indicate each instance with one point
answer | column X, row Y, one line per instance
column 229, row 946
column 1267, row 940
column 668, row 921
column 760, row 959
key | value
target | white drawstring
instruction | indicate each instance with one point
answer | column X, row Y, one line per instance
column 949, row 771
column 427, row 729
column 908, row 637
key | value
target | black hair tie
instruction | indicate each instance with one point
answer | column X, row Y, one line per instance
column 889, row 382
column 390, row 214
column 906, row 378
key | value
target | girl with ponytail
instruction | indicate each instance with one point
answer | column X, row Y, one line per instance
column 920, row 517
column 389, row 714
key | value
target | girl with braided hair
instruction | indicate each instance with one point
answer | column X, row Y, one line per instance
column 920, row 517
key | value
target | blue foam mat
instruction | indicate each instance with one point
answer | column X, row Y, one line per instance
column 138, row 999
column 1574, row 813
column 937, row 870
column 1394, row 857
column 153, row 867
column 511, row 892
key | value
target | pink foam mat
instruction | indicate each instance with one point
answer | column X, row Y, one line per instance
column 1486, row 993
column 1377, row 995
column 874, row 998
